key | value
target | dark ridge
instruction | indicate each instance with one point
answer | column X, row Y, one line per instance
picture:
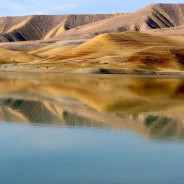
column 163, row 19
column 18, row 36
column 152, row 24
column 3, row 39
column 8, row 37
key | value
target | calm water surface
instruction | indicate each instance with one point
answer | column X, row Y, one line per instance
column 91, row 129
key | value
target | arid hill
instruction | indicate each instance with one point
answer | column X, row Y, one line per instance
column 148, row 41
column 157, row 17
column 40, row 27
column 9, row 56
column 125, row 51
column 152, row 17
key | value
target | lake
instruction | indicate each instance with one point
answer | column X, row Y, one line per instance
column 91, row 129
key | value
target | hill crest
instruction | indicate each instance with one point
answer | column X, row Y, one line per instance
column 67, row 27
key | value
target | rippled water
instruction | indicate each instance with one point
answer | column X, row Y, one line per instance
column 91, row 129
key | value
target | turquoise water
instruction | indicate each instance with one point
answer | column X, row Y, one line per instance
column 34, row 154
column 52, row 133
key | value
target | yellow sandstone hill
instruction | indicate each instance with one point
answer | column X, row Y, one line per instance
column 129, row 52
column 12, row 57
column 126, row 50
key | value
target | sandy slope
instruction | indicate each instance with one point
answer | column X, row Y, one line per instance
column 128, row 52
column 11, row 57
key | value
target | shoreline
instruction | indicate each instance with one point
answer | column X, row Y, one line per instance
column 160, row 75
column 48, row 68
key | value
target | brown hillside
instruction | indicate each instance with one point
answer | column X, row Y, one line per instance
column 174, row 31
column 128, row 50
column 155, row 16
column 11, row 57
column 41, row 26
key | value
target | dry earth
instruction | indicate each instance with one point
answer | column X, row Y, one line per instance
column 148, row 41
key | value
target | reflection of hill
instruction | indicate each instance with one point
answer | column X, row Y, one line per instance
column 164, row 127
column 32, row 111
column 150, row 106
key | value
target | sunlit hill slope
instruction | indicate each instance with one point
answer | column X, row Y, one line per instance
column 148, row 41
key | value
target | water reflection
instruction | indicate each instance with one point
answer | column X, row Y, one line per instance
column 150, row 106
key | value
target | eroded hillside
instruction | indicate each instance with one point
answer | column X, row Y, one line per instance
column 40, row 27
column 70, row 27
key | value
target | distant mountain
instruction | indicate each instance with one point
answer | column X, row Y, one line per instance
column 39, row 27
column 152, row 17
column 164, row 18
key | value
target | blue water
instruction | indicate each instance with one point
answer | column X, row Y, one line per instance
column 67, row 129
column 70, row 155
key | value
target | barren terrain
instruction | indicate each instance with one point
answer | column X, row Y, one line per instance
column 148, row 41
